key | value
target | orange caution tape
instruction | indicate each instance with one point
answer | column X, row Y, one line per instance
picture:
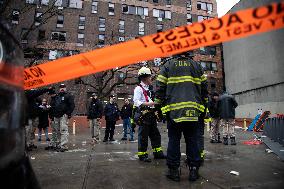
column 230, row 27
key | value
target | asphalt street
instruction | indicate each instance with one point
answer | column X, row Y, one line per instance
column 116, row 166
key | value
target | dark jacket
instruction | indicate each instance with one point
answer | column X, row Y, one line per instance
column 182, row 89
column 43, row 116
column 111, row 112
column 126, row 111
column 95, row 109
column 34, row 102
column 62, row 103
column 213, row 109
column 226, row 106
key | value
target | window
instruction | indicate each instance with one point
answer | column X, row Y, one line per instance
column 110, row 9
column 58, row 36
column 32, row 1
column 60, row 21
column 204, row 6
column 102, row 24
column 15, row 16
column 130, row 9
column 121, row 39
column 209, row 66
column 44, row 2
column 82, row 21
column 41, row 35
column 162, row 14
column 101, row 39
column 38, row 18
column 94, row 7
column 141, row 28
column 200, row 18
column 78, row 4
column 168, row 2
column 210, row 50
column 189, row 18
column 121, row 28
column 80, row 39
column 159, row 27
column 155, row 1
column 24, row 39
column 188, row 5
column 61, row 3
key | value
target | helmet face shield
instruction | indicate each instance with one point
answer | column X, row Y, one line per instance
column 12, row 139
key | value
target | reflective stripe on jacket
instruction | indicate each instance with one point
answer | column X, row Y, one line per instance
column 182, row 89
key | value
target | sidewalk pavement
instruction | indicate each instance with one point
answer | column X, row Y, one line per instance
column 116, row 166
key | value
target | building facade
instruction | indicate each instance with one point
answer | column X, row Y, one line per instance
column 254, row 69
column 58, row 28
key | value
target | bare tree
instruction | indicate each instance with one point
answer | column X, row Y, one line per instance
column 47, row 12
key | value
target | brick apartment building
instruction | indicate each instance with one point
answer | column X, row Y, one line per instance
column 67, row 27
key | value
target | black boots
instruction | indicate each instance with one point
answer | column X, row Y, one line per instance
column 173, row 174
column 193, row 174
column 225, row 140
column 233, row 140
column 159, row 155
column 219, row 138
column 145, row 158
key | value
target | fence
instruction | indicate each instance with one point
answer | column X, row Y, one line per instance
column 274, row 128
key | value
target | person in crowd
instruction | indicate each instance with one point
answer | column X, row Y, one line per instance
column 94, row 115
column 226, row 106
column 146, row 118
column 32, row 119
column 125, row 114
column 62, row 106
column 43, row 120
column 111, row 113
column 214, row 113
column 182, row 93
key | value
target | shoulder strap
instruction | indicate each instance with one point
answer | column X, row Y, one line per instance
column 144, row 93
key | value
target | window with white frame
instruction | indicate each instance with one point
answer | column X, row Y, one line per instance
column 121, row 27
column 141, row 26
column 162, row 14
column 78, row 4
column 82, row 22
column 58, row 36
column 15, row 16
column 209, row 66
column 131, row 9
column 102, row 24
column 159, row 27
column 80, row 39
column 60, row 21
column 38, row 18
column 200, row 18
column 189, row 18
column 188, row 5
column 44, row 2
column 101, row 39
column 32, row 1
column 204, row 6
column 94, row 7
column 111, row 9
column 121, row 39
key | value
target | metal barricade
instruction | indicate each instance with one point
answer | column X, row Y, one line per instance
column 274, row 129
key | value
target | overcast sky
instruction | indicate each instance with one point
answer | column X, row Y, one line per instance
column 224, row 6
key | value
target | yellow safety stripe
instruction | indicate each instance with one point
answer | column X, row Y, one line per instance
column 157, row 149
column 183, row 119
column 142, row 153
column 172, row 80
column 182, row 105
column 162, row 79
column 202, row 154
column 203, row 78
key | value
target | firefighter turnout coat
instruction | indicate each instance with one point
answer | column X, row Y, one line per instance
column 182, row 89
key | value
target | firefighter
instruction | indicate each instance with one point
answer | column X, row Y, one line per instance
column 144, row 107
column 182, row 93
